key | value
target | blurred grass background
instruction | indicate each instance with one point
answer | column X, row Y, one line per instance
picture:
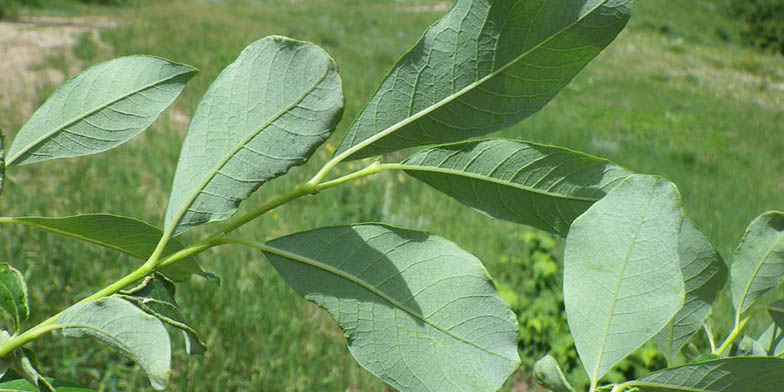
column 675, row 95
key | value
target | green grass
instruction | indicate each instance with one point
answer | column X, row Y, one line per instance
column 672, row 96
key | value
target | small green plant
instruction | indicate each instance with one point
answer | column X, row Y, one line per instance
column 763, row 23
column 417, row 311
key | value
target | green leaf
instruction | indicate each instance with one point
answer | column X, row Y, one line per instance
column 13, row 294
column 748, row 347
column 704, row 274
column 25, row 386
column 127, row 235
column 126, row 329
column 776, row 312
column 622, row 277
column 737, row 374
column 549, row 375
column 264, row 114
column 99, row 109
column 484, row 66
column 155, row 295
column 26, row 364
column 772, row 340
column 418, row 312
column 542, row 186
column 758, row 265
column 2, row 160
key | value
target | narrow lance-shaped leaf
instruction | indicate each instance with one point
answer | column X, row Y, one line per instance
column 758, row 265
column 418, row 312
column 704, row 274
column 484, row 66
column 738, row 374
column 542, row 186
column 126, row 329
column 265, row 113
column 127, row 235
column 622, row 277
column 13, row 294
column 100, row 109
column 155, row 295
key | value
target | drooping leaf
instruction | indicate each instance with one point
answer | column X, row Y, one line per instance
column 542, row 186
column 772, row 340
column 155, row 295
column 26, row 365
column 126, row 329
column 100, row 109
column 736, row 374
column 758, row 265
column 484, row 66
column 264, row 114
column 418, row 312
column 704, row 274
column 549, row 375
column 127, row 235
column 622, row 276
column 13, row 294
column 25, row 386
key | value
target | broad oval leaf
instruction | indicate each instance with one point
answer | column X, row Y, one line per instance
column 622, row 276
column 738, row 374
column 418, row 312
column 100, row 109
column 704, row 274
column 126, row 329
column 758, row 265
column 265, row 113
column 13, row 294
column 484, row 66
column 549, row 375
column 127, row 235
column 542, row 186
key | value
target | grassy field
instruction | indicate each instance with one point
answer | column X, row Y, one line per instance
column 675, row 95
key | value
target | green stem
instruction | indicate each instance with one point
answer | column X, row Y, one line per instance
column 736, row 331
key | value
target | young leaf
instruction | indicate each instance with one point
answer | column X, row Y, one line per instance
column 736, row 374
column 127, row 235
column 25, row 386
column 100, row 109
column 622, row 277
column 484, row 66
column 748, row 347
column 26, row 365
column 125, row 328
column 418, row 312
column 759, row 260
column 155, row 295
column 542, row 186
column 13, row 294
column 772, row 340
column 704, row 274
column 264, row 114
column 549, row 375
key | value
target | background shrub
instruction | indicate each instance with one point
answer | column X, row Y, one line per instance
column 764, row 23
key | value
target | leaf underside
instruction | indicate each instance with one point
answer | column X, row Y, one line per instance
column 13, row 294
column 99, row 109
column 542, row 186
column 758, row 265
column 264, row 114
column 126, row 329
column 622, row 277
column 418, row 312
column 704, row 274
column 738, row 374
column 127, row 235
column 484, row 66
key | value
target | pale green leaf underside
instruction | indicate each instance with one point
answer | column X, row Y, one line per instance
column 484, row 66
column 622, row 277
column 127, row 235
column 418, row 312
column 100, row 109
column 549, row 375
column 739, row 374
column 772, row 340
column 125, row 328
column 542, row 186
column 25, row 386
column 13, row 294
column 758, row 265
column 265, row 113
column 704, row 274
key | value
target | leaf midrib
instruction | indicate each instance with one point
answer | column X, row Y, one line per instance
column 451, row 97
column 203, row 184
column 757, row 269
column 81, row 117
column 359, row 282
